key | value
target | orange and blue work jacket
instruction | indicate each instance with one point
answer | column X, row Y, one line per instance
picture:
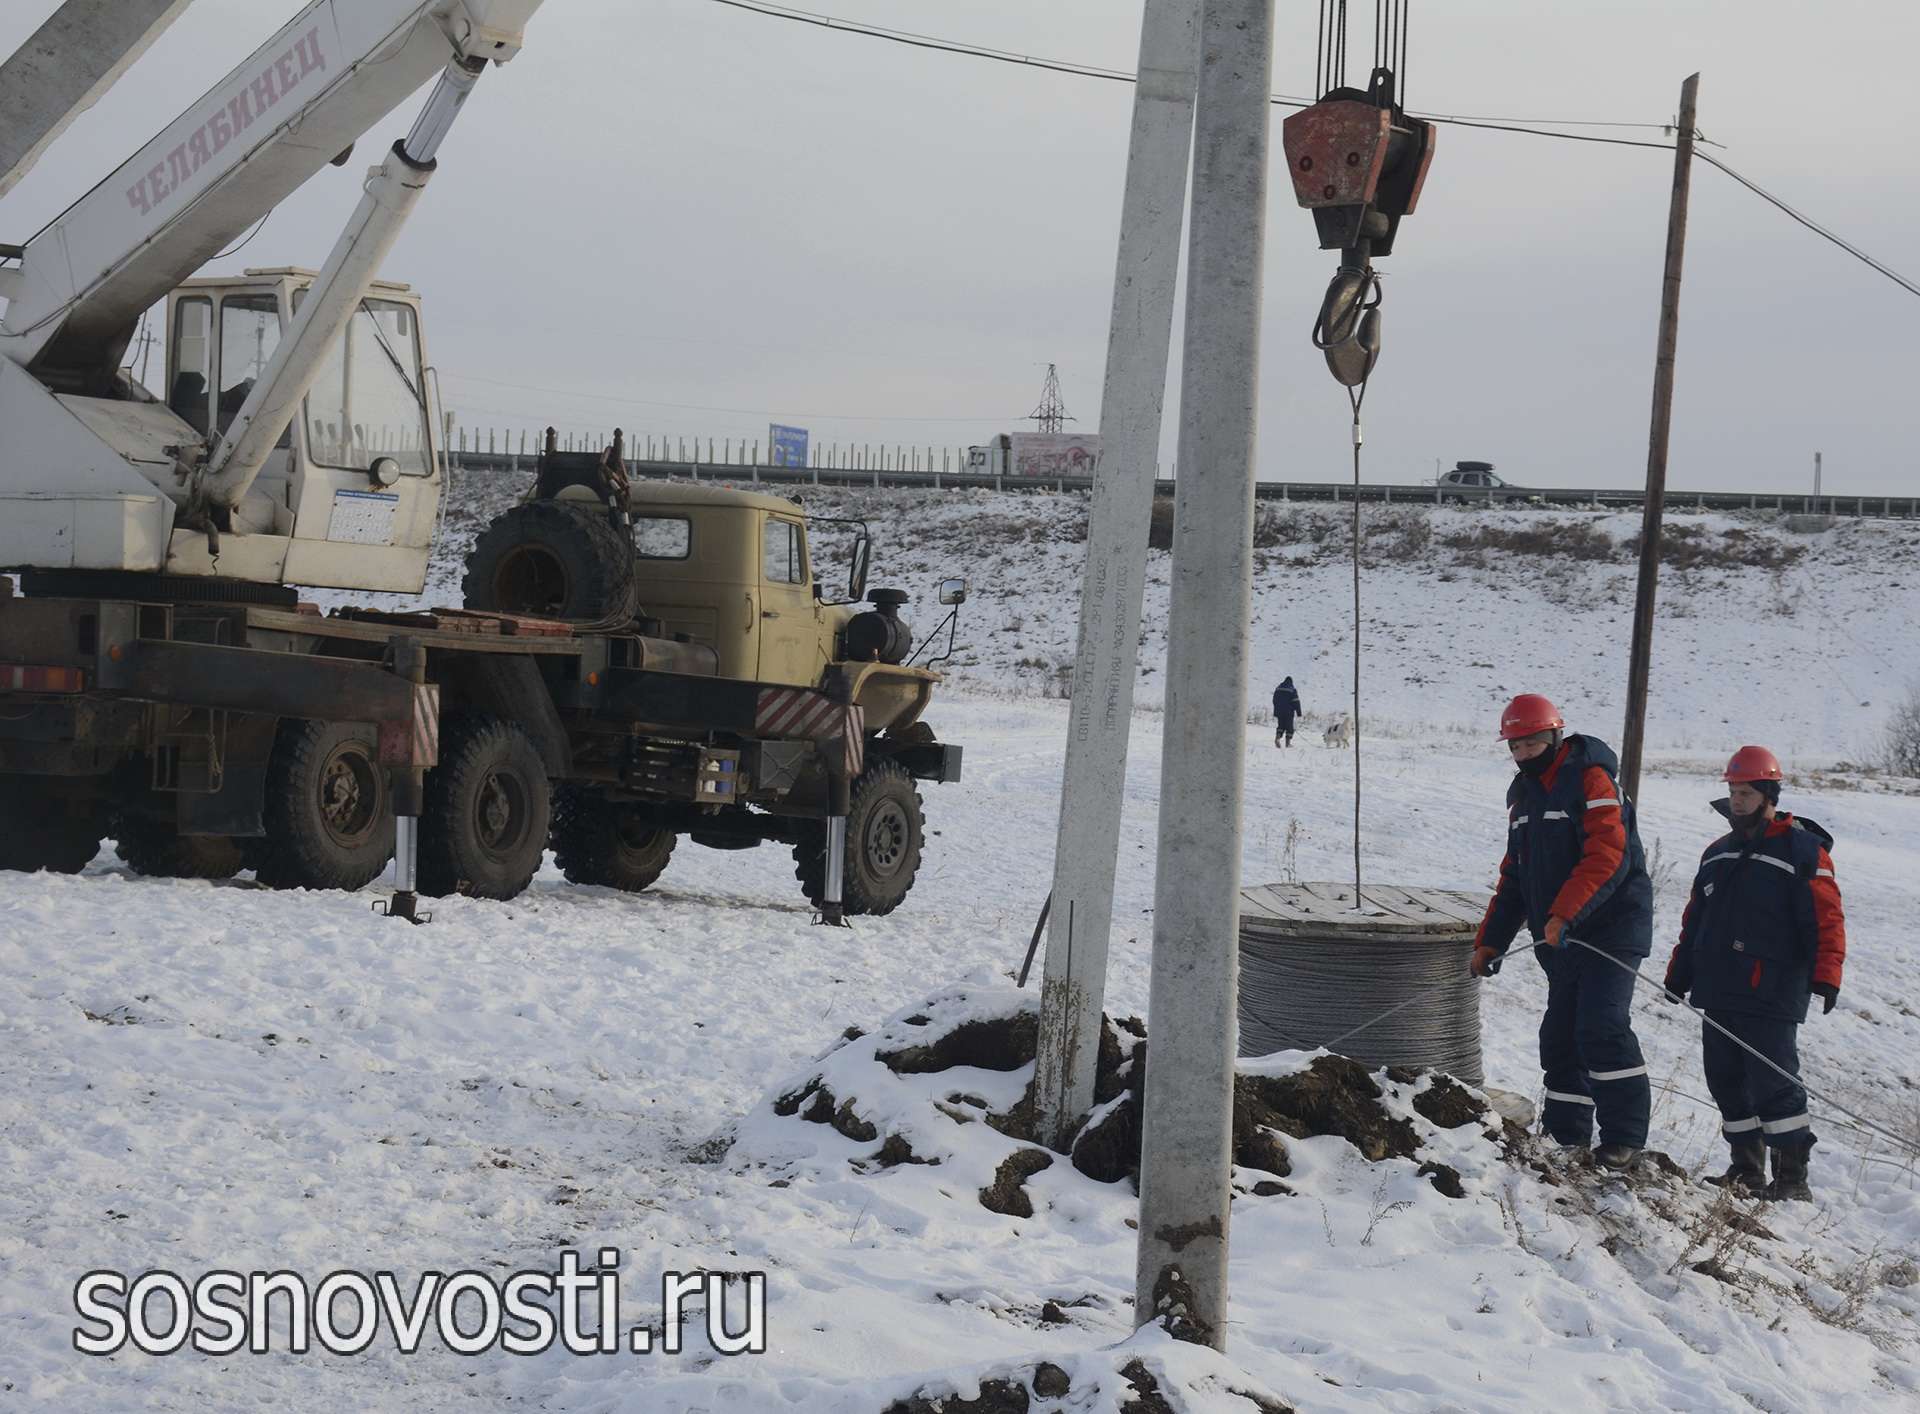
column 1764, row 925
column 1573, row 851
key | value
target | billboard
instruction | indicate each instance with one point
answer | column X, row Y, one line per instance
column 786, row 446
column 1054, row 453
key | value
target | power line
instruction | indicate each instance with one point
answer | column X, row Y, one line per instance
column 1064, row 66
column 927, row 41
column 1810, row 223
column 916, row 40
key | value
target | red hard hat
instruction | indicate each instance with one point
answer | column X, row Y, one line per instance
column 1526, row 714
column 1753, row 763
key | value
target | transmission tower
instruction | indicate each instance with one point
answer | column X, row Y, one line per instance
column 1051, row 413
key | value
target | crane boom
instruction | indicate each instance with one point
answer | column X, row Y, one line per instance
column 77, row 55
column 298, row 102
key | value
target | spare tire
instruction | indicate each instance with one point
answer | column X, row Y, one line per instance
column 547, row 559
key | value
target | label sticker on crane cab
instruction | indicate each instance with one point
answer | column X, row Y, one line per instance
column 363, row 517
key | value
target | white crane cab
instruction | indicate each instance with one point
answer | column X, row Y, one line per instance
column 292, row 444
column 349, row 495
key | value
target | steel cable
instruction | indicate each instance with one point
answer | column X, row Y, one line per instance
column 1300, row 994
column 1293, row 1007
column 1639, row 978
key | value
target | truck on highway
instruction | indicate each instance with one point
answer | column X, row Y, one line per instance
column 633, row 663
column 1036, row 454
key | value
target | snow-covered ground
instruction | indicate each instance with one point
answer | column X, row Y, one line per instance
column 198, row 1076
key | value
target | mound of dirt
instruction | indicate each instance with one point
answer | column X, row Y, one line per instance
column 1448, row 1103
column 1332, row 1096
column 997, row 1043
column 1007, row 1194
column 821, row 1109
column 996, row 1397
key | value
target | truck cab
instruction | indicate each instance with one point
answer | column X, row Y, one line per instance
column 733, row 569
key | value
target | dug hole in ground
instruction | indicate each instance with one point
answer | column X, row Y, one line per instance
column 211, row 1075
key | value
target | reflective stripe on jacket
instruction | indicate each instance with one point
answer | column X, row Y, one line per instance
column 1763, row 924
column 1573, row 850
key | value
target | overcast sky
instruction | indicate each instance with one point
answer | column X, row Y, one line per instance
column 688, row 219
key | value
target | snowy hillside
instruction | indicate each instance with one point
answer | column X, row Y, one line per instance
column 1805, row 641
column 197, row 1076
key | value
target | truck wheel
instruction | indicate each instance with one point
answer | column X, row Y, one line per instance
column 600, row 841
column 329, row 816
column 488, row 807
column 155, row 848
column 40, row 828
column 547, row 559
column 885, row 827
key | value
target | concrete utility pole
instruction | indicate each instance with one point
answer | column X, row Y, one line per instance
column 1816, row 483
column 1641, row 659
column 1185, row 1163
column 65, row 65
column 1074, row 985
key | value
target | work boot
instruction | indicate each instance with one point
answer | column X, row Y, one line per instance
column 1617, row 1157
column 1790, row 1177
column 1748, row 1171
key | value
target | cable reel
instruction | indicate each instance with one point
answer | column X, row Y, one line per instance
column 1358, row 163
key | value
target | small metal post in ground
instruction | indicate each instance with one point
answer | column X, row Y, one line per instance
column 833, row 909
column 408, row 786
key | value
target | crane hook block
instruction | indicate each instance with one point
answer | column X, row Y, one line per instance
column 1358, row 164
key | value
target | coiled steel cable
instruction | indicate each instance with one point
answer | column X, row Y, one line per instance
column 1303, row 993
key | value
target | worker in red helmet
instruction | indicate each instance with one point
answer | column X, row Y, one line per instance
column 1762, row 934
column 1574, row 874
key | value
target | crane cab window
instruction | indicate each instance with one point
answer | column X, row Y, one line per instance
column 188, row 391
column 249, row 333
column 368, row 400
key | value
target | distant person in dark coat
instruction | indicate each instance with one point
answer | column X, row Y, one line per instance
column 1286, row 706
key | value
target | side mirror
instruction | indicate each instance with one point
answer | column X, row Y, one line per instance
column 953, row 591
column 857, row 579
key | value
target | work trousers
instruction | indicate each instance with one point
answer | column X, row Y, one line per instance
column 1594, row 1069
column 1751, row 1096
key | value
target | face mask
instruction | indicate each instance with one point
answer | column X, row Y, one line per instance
column 1536, row 766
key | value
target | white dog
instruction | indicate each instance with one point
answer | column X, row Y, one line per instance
column 1340, row 733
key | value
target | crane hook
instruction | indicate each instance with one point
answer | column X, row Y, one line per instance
column 1347, row 330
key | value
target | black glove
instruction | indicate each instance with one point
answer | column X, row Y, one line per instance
column 1828, row 996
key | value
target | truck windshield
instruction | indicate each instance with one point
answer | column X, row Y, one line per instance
column 367, row 401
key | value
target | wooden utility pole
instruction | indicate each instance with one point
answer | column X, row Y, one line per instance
column 1641, row 660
